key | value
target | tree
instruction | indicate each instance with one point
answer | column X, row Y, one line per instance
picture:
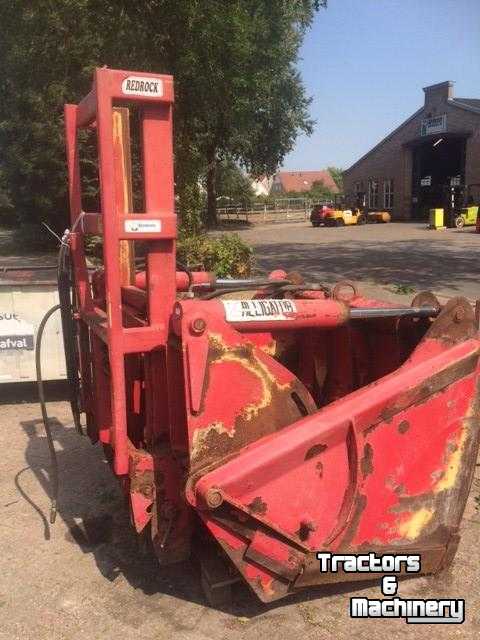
column 232, row 184
column 319, row 191
column 6, row 217
column 337, row 175
column 238, row 94
column 48, row 52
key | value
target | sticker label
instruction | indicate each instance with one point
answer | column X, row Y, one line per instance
column 137, row 86
column 15, row 334
column 143, row 226
column 254, row 310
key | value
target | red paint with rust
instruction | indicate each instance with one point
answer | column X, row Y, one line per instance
column 288, row 430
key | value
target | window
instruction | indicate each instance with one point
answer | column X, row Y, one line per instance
column 372, row 194
column 358, row 187
column 388, row 194
column 360, row 200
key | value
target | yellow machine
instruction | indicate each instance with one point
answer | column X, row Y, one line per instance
column 378, row 216
column 468, row 214
column 340, row 218
column 436, row 219
column 339, row 215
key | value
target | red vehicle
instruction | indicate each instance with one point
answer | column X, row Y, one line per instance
column 319, row 213
column 271, row 428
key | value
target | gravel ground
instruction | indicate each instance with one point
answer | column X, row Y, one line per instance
column 84, row 576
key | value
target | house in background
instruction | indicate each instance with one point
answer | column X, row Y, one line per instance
column 262, row 186
column 300, row 181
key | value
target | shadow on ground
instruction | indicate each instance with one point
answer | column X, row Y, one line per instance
column 93, row 509
column 418, row 263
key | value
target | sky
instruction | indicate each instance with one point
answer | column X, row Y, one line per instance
column 365, row 62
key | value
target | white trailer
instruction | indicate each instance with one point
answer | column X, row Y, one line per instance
column 26, row 294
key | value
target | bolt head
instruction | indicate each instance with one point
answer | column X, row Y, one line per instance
column 198, row 326
column 214, row 498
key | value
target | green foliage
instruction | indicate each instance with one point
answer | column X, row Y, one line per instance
column 94, row 248
column 238, row 94
column 403, row 289
column 226, row 255
column 319, row 191
column 232, row 184
column 190, row 205
column 7, row 217
column 337, row 175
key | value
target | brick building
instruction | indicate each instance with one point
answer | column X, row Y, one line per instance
column 425, row 161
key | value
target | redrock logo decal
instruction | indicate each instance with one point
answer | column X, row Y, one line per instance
column 136, row 86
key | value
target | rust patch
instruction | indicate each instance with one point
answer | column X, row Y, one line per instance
column 360, row 506
column 404, row 426
column 422, row 392
column 366, row 463
column 316, row 450
column 372, row 428
column 141, row 470
column 305, row 530
column 276, row 409
column 270, row 349
column 454, row 457
column 411, row 504
column 426, row 299
column 201, row 437
column 455, row 324
column 257, row 506
column 143, row 483
column 435, row 515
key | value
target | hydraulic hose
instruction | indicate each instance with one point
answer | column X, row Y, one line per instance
column 64, row 281
column 43, row 405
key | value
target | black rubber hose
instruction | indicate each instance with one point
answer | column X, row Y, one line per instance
column 273, row 286
column 64, row 283
column 43, row 405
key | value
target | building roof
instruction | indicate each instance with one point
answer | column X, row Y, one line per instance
column 473, row 104
column 303, row 180
column 470, row 104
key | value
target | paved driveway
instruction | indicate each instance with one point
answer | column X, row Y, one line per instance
column 389, row 256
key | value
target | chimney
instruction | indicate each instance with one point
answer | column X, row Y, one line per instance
column 437, row 94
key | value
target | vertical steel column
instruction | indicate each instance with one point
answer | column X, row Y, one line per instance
column 157, row 134
column 111, row 258
column 159, row 200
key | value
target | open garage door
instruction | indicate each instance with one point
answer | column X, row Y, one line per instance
column 438, row 173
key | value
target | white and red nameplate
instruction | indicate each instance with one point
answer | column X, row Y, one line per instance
column 258, row 310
